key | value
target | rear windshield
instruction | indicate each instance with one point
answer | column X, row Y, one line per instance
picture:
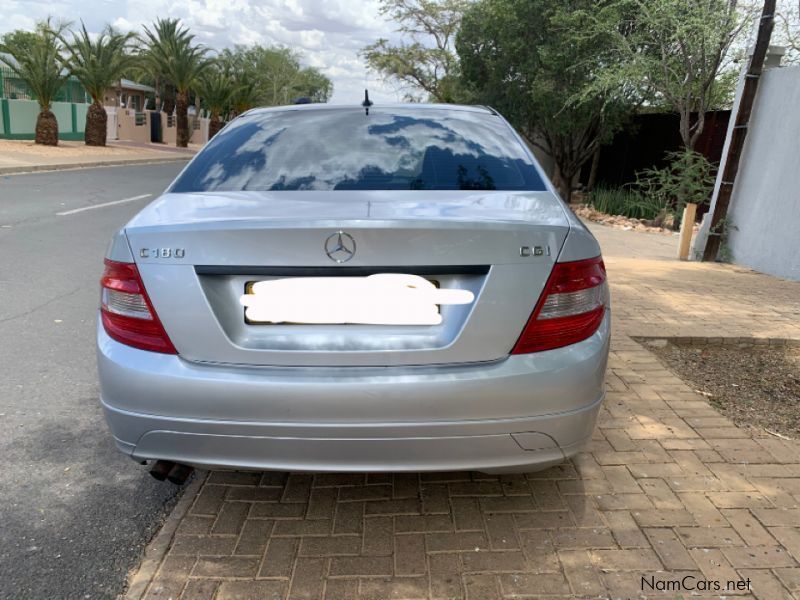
column 342, row 149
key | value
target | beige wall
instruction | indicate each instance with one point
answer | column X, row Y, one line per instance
column 128, row 130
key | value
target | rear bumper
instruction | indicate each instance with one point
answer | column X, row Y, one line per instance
column 522, row 413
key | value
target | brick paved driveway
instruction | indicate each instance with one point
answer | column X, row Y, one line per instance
column 668, row 487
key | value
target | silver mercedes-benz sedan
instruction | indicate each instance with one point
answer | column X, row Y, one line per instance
column 323, row 288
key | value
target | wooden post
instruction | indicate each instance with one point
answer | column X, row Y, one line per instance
column 687, row 227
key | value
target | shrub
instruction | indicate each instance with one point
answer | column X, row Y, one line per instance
column 626, row 203
column 688, row 177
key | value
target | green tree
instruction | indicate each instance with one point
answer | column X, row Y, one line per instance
column 98, row 64
column 676, row 52
column 428, row 62
column 170, row 53
column 217, row 91
column 525, row 58
column 272, row 76
column 35, row 58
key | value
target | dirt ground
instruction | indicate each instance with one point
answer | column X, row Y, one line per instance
column 757, row 387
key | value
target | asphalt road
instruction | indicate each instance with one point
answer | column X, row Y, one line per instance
column 74, row 513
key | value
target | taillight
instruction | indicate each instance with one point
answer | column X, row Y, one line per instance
column 126, row 311
column 570, row 309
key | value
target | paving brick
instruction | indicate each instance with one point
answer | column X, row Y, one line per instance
column 405, row 485
column 394, row 587
column 624, row 502
column 789, row 538
column 349, row 517
column 364, row 566
column 322, row 503
column 660, row 494
column 202, row 545
column 494, row 561
column 708, row 537
column 663, row 518
column 254, row 494
column 192, row 524
column 467, row 514
column 231, row 518
column 777, row 516
column 435, row 499
column 481, row 587
column 521, row 585
column 225, row 566
column 279, row 557
column 337, row 545
column 274, row 510
column 625, row 529
column 583, row 538
column 739, row 500
column 581, row 573
column 404, row 506
column 713, row 564
column 254, row 537
column 642, row 559
column 426, row 523
column 409, row 554
column 341, row 589
column 200, row 589
column 748, row 527
column 758, row 557
column 377, row 538
column 453, row 542
column 445, row 575
column 765, row 585
column 789, row 577
column 543, row 520
column 246, row 590
column 669, row 549
column 298, row 527
column 308, row 579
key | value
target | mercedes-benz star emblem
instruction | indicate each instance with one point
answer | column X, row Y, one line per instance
column 340, row 247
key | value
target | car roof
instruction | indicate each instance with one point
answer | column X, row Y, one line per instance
column 380, row 106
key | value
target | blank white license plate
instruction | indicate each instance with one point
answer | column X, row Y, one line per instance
column 380, row 299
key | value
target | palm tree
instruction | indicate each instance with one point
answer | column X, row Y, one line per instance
column 38, row 64
column 217, row 91
column 170, row 53
column 98, row 65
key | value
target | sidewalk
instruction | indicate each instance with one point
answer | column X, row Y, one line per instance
column 23, row 156
column 668, row 488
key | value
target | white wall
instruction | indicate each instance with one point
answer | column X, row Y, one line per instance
column 765, row 206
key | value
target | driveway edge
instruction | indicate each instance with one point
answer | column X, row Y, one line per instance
column 89, row 165
column 139, row 580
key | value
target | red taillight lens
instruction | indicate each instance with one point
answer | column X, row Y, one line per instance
column 127, row 313
column 570, row 309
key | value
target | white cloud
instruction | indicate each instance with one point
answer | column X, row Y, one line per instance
column 328, row 33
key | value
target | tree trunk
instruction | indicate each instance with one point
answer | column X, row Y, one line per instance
column 214, row 125
column 46, row 128
column 96, row 125
column 182, row 120
column 593, row 170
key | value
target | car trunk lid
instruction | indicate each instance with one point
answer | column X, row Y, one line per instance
column 197, row 254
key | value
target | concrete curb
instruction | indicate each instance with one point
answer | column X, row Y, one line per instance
column 141, row 578
column 89, row 165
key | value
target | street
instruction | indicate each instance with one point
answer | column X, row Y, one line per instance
column 74, row 513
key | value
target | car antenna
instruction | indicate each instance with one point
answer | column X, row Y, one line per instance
column 367, row 102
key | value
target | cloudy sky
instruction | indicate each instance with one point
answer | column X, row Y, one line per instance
column 328, row 33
